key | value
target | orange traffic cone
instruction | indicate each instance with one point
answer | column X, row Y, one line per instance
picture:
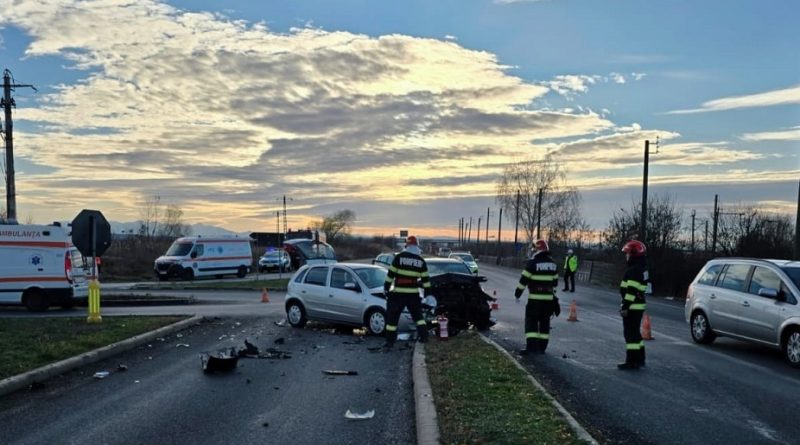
column 495, row 304
column 573, row 311
column 647, row 334
column 264, row 296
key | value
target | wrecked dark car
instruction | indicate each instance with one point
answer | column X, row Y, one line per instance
column 459, row 295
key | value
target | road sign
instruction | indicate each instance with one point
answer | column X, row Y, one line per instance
column 91, row 233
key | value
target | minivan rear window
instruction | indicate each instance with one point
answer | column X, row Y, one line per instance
column 709, row 277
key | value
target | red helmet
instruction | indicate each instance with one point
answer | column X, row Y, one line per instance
column 634, row 248
column 540, row 245
column 411, row 240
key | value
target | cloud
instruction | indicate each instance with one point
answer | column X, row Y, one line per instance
column 786, row 96
column 792, row 134
column 569, row 85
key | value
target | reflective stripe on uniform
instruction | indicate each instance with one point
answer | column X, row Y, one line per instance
column 541, row 297
column 421, row 322
column 537, row 335
column 391, row 328
column 633, row 346
column 408, row 273
column 637, row 307
column 406, row 290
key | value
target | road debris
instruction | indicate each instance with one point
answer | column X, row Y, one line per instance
column 182, row 345
column 122, row 368
column 279, row 341
column 359, row 416
column 337, row 372
column 222, row 362
column 281, row 323
column 101, row 374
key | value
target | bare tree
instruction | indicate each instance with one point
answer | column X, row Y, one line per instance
column 560, row 206
column 663, row 224
column 173, row 226
column 149, row 216
column 337, row 225
column 750, row 231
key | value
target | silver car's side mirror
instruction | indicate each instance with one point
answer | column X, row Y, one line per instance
column 768, row 292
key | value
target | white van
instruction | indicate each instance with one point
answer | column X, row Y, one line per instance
column 195, row 256
column 37, row 267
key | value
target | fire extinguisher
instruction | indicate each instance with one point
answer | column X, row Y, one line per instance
column 442, row 320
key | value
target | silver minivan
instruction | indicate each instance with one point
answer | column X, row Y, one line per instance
column 748, row 299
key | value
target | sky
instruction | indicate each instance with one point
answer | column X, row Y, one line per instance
column 404, row 112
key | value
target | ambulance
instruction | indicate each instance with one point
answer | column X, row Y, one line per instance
column 193, row 256
column 39, row 267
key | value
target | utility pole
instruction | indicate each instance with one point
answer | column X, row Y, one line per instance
column 499, row 226
column 714, row 230
column 643, row 225
column 539, row 214
column 7, row 102
column 487, row 230
column 693, row 215
column 478, row 233
column 705, row 239
column 516, row 222
column 469, row 231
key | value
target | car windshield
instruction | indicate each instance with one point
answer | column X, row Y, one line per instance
column 371, row 276
column 179, row 249
column 794, row 274
column 463, row 256
column 437, row 268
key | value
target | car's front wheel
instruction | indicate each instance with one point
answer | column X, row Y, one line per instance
column 791, row 348
column 375, row 321
column 701, row 328
column 296, row 314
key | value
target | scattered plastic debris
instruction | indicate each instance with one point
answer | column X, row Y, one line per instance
column 179, row 335
column 359, row 416
column 265, row 424
column 222, row 336
column 281, row 323
column 337, row 372
column 404, row 336
column 101, row 374
column 182, row 345
column 135, row 381
column 221, row 362
column 122, row 368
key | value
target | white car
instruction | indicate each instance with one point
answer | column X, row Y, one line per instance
column 342, row 293
column 468, row 259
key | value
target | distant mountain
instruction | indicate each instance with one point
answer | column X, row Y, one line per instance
column 197, row 229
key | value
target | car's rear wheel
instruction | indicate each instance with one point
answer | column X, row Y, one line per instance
column 701, row 328
column 296, row 314
column 791, row 347
column 36, row 300
column 242, row 272
column 375, row 321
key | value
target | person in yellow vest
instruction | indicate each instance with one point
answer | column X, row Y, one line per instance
column 570, row 267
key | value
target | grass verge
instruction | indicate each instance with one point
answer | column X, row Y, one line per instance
column 28, row 343
column 482, row 398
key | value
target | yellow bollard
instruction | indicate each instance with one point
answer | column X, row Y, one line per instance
column 94, row 302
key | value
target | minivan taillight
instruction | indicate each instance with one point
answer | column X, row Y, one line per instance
column 68, row 266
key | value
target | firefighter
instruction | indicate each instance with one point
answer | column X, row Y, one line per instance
column 406, row 275
column 541, row 278
column 570, row 267
column 632, row 289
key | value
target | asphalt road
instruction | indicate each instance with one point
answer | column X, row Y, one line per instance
column 164, row 397
column 726, row 393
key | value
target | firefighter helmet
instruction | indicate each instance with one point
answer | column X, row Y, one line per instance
column 540, row 245
column 634, row 248
column 411, row 241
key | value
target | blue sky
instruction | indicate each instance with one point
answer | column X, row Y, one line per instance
column 405, row 112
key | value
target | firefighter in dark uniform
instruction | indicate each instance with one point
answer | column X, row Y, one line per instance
column 632, row 288
column 408, row 273
column 541, row 278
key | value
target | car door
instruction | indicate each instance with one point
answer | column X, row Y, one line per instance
column 314, row 291
column 762, row 315
column 345, row 301
column 725, row 300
